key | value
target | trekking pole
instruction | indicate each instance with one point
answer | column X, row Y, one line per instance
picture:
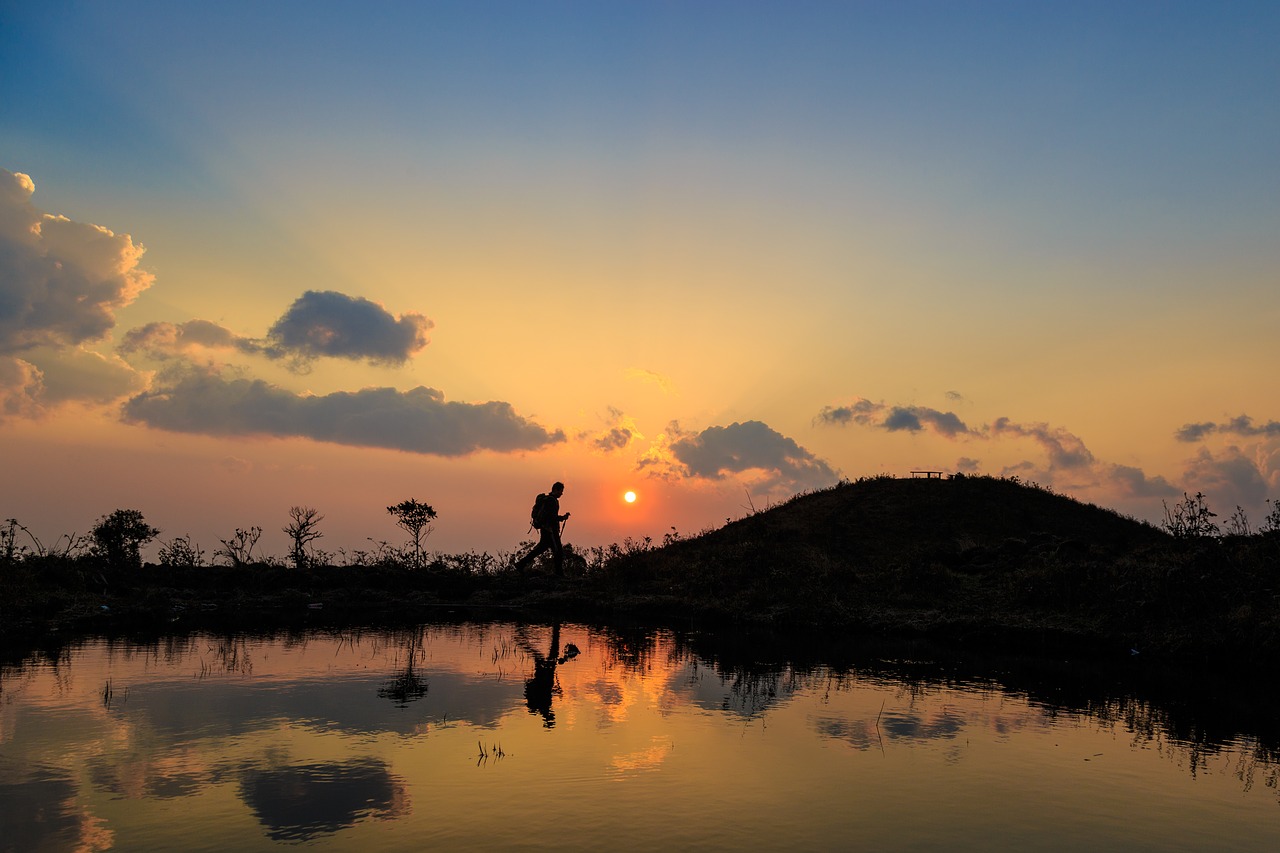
column 563, row 525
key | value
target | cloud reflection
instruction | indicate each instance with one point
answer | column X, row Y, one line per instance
column 298, row 803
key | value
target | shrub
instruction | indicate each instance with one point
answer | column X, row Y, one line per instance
column 1190, row 518
column 181, row 553
column 119, row 537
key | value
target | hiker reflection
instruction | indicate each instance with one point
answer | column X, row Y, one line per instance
column 541, row 687
column 547, row 519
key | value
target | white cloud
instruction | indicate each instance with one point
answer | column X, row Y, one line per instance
column 61, row 283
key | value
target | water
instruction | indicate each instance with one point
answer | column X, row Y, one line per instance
column 504, row 736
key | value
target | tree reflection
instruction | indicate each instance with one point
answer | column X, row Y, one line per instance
column 408, row 686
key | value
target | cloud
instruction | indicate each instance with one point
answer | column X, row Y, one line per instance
column 1230, row 478
column 967, row 465
column 1133, row 482
column 163, row 341
column 658, row 379
column 317, row 324
column 1066, row 451
column 741, row 448
column 620, row 431
column 61, row 282
column 1242, row 426
column 331, row 324
column 74, row 374
column 895, row 418
column 199, row 401
column 21, row 389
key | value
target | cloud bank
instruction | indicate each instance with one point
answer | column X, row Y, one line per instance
column 419, row 420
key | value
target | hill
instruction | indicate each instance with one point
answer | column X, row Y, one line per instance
column 972, row 557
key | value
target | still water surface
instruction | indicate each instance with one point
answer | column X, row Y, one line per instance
column 502, row 736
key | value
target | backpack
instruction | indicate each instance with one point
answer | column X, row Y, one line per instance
column 535, row 514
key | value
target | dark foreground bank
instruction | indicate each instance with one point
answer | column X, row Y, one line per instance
column 978, row 559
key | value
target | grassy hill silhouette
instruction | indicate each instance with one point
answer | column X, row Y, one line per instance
column 974, row 557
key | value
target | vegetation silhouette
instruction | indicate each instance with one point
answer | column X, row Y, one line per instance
column 414, row 518
column 977, row 559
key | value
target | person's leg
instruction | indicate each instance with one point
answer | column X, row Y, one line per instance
column 557, row 552
column 544, row 542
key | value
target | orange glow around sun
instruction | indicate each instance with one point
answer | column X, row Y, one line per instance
column 629, row 497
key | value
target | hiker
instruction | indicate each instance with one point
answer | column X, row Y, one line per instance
column 546, row 518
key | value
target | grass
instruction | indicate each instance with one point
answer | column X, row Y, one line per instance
column 970, row 558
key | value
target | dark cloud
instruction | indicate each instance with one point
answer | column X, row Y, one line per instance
column 1242, row 426
column 418, row 421
column 718, row 452
column 614, row 439
column 860, row 411
column 895, row 418
column 916, row 418
column 61, row 282
column 1229, row 478
column 620, row 431
column 1134, row 482
column 967, row 465
column 334, row 325
column 1065, row 450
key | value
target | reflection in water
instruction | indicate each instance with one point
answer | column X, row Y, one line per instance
column 40, row 811
column 541, row 686
column 296, row 803
column 408, row 685
column 252, row 742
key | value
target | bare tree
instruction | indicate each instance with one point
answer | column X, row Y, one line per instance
column 239, row 548
column 414, row 518
column 302, row 530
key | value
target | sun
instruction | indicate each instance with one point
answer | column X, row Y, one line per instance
column 629, row 497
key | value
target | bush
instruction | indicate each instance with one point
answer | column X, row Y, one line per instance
column 118, row 538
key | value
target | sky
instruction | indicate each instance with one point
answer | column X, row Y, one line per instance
column 339, row 255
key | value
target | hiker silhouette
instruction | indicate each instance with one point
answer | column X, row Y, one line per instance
column 541, row 686
column 547, row 519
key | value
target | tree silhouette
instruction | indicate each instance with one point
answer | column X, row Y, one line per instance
column 302, row 530
column 415, row 518
column 119, row 537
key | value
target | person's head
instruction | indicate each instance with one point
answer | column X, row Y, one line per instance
column 557, row 489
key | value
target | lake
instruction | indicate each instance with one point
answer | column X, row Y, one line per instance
column 498, row 735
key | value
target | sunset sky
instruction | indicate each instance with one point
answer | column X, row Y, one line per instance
column 715, row 253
